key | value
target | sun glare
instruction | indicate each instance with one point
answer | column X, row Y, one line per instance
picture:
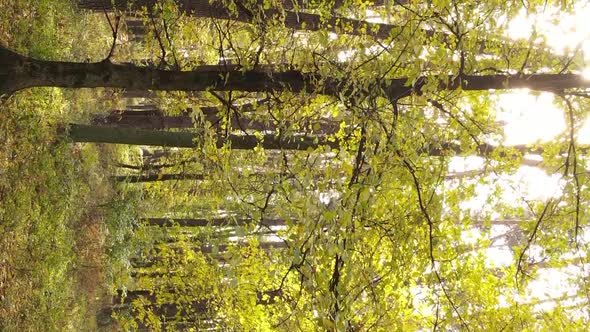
column 529, row 118
column 564, row 33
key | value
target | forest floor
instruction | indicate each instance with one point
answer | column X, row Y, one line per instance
column 52, row 268
column 56, row 199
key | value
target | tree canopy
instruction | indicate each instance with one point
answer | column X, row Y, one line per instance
column 336, row 165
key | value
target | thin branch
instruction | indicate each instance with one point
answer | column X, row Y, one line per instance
column 114, row 31
column 430, row 222
column 519, row 268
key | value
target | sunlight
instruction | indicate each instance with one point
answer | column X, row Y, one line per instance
column 521, row 27
column 584, row 132
column 532, row 118
column 529, row 118
column 562, row 33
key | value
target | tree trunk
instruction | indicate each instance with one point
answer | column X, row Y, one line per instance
column 286, row 4
column 262, row 246
column 138, row 94
column 295, row 20
column 212, row 251
column 18, row 72
column 264, row 298
column 94, row 134
column 485, row 150
column 188, row 311
column 97, row 134
column 150, row 119
column 156, row 177
column 215, row 222
column 151, row 159
column 155, row 119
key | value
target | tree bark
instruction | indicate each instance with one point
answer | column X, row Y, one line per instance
column 291, row 19
column 132, row 136
column 147, row 119
column 155, row 119
column 155, row 258
column 261, row 246
column 264, row 298
column 199, row 309
column 138, row 94
column 85, row 133
column 18, row 72
column 286, row 4
column 485, row 150
column 215, row 222
column 156, row 177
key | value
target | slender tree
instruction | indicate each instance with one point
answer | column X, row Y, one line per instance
column 155, row 119
column 215, row 222
column 156, row 177
column 127, row 297
column 99, row 134
column 256, row 12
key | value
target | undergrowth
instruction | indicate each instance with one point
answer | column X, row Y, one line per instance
column 62, row 223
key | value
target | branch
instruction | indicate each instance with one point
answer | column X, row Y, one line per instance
column 519, row 268
column 430, row 222
column 114, row 30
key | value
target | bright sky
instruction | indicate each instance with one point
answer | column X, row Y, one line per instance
column 531, row 118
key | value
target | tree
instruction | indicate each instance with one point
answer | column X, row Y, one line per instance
column 20, row 72
column 156, row 177
column 99, row 134
column 255, row 12
column 210, row 222
column 155, row 119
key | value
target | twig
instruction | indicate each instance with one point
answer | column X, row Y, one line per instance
column 530, row 240
column 115, row 31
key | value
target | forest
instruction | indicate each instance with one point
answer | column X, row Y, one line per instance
column 294, row 165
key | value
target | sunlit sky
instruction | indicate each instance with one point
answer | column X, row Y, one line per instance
column 531, row 118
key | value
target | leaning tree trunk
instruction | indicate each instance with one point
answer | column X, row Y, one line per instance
column 18, row 72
